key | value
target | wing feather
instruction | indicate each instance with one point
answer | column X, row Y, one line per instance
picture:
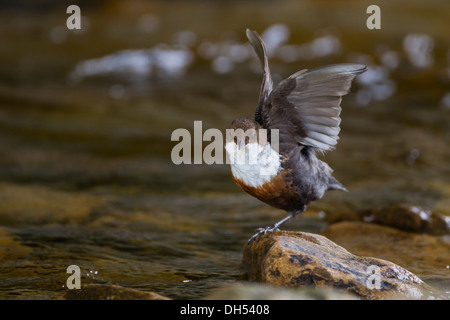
column 311, row 104
column 267, row 84
column 305, row 107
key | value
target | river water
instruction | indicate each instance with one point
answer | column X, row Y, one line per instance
column 86, row 117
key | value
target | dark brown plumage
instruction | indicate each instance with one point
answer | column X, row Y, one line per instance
column 305, row 109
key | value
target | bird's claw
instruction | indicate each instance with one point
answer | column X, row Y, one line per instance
column 264, row 231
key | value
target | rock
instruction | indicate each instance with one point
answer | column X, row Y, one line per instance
column 297, row 259
column 401, row 216
column 409, row 218
column 425, row 255
column 259, row 291
column 110, row 292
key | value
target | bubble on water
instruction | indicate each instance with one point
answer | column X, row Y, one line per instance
column 376, row 85
column 222, row 64
column 322, row 46
column 274, row 36
column 372, row 75
column 172, row 62
column 412, row 156
column 325, row 45
column 419, row 48
column 207, row 50
column 369, row 218
column 389, row 58
column 382, row 91
column 162, row 60
column 238, row 52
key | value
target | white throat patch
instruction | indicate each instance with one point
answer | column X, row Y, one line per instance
column 252, row 163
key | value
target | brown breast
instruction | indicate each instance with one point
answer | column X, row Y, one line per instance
column 279, row 192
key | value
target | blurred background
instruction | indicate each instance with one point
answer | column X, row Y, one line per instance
column 86, row 118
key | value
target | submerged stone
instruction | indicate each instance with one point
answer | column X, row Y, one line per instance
column 401, row 216
column 409, row 218
column 260, row 291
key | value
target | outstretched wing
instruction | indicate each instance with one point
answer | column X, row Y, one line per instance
column 267, row 84
column 306, row 106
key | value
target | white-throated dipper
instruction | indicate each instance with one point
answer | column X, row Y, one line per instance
column 304, row 109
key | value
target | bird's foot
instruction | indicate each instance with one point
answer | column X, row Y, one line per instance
column 264, row 231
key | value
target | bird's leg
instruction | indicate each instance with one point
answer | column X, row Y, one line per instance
column 276, row 225
column 270, row 229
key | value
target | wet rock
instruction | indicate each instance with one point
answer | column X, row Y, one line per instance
column 297, row 259
column 259, row 291
column 425, row 255
column 110, row 292
column 401, row 216
column 409, row 218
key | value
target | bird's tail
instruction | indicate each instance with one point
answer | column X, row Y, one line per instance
column 333, row 184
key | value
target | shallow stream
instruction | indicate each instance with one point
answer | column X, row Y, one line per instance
column 86, row 118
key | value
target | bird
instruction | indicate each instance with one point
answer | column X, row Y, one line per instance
column 303, row 113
